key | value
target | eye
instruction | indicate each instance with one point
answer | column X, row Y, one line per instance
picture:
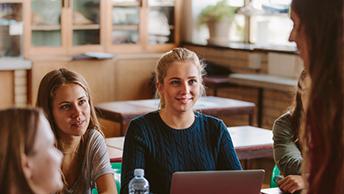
column 192, row 82
column 175, row 82
column 65, row 106
column 82, row 101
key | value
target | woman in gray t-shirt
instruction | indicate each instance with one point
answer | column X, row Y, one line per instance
column 65, row 98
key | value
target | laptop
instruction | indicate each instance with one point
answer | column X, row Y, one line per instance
column 217, row 182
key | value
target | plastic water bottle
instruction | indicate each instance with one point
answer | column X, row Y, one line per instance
column 138, row 184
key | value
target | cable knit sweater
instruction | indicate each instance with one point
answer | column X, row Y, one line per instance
column 161, row 150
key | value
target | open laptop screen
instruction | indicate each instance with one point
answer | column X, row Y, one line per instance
column 217, row 182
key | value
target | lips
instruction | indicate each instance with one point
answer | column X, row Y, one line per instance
column 184, row 100
column 77, row 124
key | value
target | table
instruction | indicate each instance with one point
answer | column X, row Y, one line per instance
column 258, row 81
column 216, row 82
column 249, row 142
column 276, row 191
column 124, row 111
column 272, row 191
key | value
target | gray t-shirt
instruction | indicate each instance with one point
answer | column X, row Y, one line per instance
column 287, row 154
column 96, row 162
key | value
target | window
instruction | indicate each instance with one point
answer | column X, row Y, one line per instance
column 273, row 25
column 262, row 22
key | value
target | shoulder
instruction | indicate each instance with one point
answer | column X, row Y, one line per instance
column 147, row 118
column 208, row 119
column 282, row 125
column 211, row 123
column 144, row 123
column 283, row 120
column 95, row 135
column 94, row 139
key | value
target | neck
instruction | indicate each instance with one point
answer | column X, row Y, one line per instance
column 177, row 121
column 69, row 144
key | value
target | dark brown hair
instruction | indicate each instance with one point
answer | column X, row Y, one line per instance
column 297, row 111
column 323, row 138
column 46, row 92
column 18, row 128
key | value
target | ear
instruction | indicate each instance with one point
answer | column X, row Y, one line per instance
column 26, row 165
column 159, row 87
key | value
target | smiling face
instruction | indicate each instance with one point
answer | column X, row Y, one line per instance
column 181, row 87
column 71, row 109
column 298, row 36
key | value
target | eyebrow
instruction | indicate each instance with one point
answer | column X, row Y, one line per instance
column 190, row 77
column 63, row 102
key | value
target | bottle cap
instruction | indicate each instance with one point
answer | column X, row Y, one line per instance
column 139, row 172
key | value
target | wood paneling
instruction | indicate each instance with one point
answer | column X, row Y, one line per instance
column 133, row 78
column 6, row 88
column 121, row 78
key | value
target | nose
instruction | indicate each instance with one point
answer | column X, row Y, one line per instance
column 292, row 36
column 185, row 88
column 76, row 111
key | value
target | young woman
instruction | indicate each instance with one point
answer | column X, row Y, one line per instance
column 287, row 150
column 29, row 161
column 65, row 98
column 175, row 138
column 320, row 24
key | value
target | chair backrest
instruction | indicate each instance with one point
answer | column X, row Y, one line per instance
column 117, row 167
column 275, row 172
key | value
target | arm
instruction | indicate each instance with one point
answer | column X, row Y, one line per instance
column 286, row 153
column 227, row 158
column 292, row 183
column 133, row 155
column 106, row 184
column 102, row 173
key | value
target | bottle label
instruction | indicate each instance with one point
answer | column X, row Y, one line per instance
column 139, row 192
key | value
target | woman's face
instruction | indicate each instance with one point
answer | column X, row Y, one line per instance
column 299, row 37
column 45, row 162
column 181, row 87
column 71, row 109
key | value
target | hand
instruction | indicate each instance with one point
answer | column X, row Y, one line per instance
column 291, row 183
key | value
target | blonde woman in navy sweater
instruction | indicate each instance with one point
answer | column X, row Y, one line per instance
column 175, row 138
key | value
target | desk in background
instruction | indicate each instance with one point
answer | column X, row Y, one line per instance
column 123, row 111
column 249, row 143
column 259, row 81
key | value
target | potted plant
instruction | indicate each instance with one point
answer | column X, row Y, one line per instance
column 218, row 18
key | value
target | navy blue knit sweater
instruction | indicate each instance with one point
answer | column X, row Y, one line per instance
column 161, row 150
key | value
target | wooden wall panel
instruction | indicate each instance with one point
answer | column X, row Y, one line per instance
column 133, row 78
column 6, row 88
column 100, row 76
column 122, row 78
column 39, row 69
